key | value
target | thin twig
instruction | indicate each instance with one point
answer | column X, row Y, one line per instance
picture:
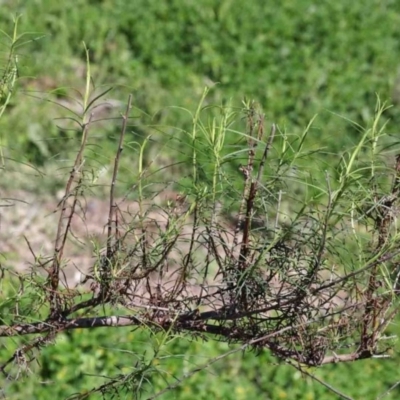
column 112, row 205
column 62, row 232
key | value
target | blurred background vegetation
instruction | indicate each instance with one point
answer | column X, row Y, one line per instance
column 294, row 58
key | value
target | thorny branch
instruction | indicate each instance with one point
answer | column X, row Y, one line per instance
column 376, row 306
column 64, row 227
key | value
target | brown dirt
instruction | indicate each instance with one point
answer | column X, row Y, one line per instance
column 28, row 224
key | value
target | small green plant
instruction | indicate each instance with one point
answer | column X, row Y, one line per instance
column 314, row 284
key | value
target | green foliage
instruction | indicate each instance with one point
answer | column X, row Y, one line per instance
column 297, row 58
column 81, row 359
